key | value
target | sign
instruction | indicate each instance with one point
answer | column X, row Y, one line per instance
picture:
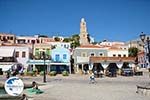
column 14, row 86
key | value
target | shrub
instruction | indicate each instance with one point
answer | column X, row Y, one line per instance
column 52, row 73
column 65, row 73
column 42, row 73
column 30, row 73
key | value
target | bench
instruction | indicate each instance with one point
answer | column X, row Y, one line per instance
column 143, row 89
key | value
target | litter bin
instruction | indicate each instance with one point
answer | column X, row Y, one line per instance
column 1, row 72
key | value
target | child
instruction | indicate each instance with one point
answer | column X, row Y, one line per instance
column 92, row 78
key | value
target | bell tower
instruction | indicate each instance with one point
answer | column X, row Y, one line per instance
column 83, row 33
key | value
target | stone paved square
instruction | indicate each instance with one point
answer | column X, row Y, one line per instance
column 77, row 87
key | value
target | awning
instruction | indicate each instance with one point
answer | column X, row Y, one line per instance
column 6, row 52
column 38, row 62
column 5, row 67
column 47, row 62
column 68, row 64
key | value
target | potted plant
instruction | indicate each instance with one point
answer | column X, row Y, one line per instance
column 65, row 73
column 52, row 73
column 42, row 73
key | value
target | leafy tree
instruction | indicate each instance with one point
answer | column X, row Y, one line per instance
column 67, row 40
column 95, row 43
column 88, row 37
column 57, row 39
column 75, row 41
column 133, row 51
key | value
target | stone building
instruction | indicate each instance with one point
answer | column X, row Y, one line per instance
column 7, row 38
column 83, row 33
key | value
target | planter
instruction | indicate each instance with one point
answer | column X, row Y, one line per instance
column 52, row 73
column 65, row 73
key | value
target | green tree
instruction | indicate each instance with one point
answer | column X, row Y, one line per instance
column 57, row 39
column 67, row 40
column 88, row 37
column 133, row 51
column 75, row 41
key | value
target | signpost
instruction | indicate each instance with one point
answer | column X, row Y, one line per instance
column 14, row 86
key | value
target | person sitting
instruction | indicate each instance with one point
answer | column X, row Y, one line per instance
column 35, row 88
column 34, row 85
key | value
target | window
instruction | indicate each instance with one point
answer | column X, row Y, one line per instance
column 119, row 55
column 92, row 54
column 17, row 54
column 64, row 46
column 33, row 41
column 37, row 41
column 83, row 54
column 57, row 57
column 28, row 41
column 83, row 35
column 64, row 56
column 23, row 54
column 11, row 38
column 114, row 55
column 4, row 38
column 8, row 37
column 101, row 54
column 124, row 55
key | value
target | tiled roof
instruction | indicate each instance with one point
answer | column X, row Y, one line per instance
column 117, row 59
column 114, row 48
column 89, row 46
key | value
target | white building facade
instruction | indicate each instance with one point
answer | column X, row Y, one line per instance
column 13, row 55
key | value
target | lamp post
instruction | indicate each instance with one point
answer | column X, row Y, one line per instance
column 145, row 39
column 33, row 42
column 44, row 77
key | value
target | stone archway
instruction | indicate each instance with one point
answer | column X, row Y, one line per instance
column 85, row 68
column 112, row 70
column 125, row 65
column 98, row 67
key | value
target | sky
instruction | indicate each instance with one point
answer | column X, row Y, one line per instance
column 113, row 20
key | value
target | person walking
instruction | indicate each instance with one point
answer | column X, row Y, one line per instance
column 92, row 78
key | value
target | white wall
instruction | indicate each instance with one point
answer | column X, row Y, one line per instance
column 61, row 44
column 20, row 59
column 117, row 52
column 26, row 38
column 20, row 49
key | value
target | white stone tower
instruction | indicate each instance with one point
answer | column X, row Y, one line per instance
column 83, row 33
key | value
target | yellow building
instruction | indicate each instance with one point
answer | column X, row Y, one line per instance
column 40, row 48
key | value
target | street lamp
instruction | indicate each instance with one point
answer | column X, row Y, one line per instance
column 44, row 77
column 145, row 39
column 33, row 42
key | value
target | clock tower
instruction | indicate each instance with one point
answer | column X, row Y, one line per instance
column 83, row 33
